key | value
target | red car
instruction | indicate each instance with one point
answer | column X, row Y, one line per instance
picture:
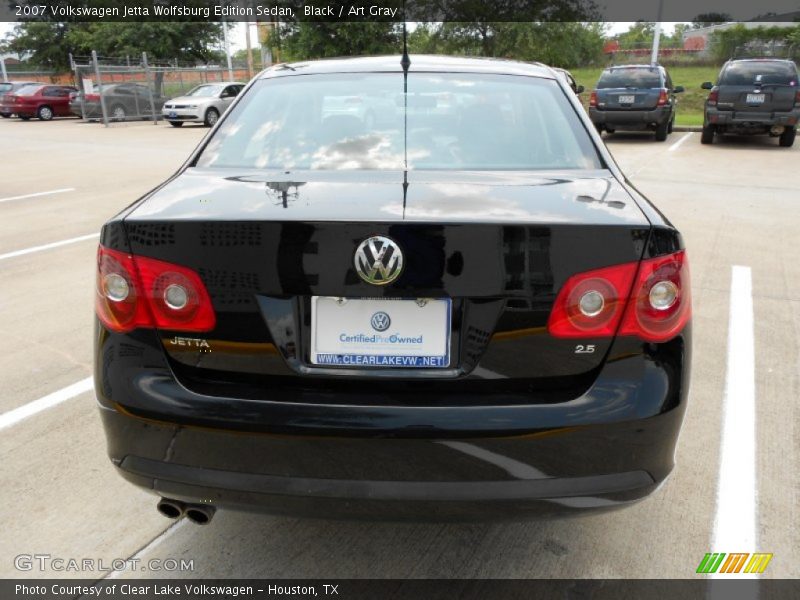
column 42, row 101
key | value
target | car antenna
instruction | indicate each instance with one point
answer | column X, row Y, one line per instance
column 405, row 62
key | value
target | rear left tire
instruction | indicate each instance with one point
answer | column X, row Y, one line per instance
column 787, row 137
column 707, row 137
column 118, row 113
column 45, row 113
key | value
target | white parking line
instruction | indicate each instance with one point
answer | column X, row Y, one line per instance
column 48, row 246
column 167, row 533
column 37, row 194
column 677, row 144
column 735, row 522
column 21, row 413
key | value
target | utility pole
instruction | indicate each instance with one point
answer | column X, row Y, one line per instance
column 227, row 49
column 3, row 67
column 657, row 34
column 249, row 51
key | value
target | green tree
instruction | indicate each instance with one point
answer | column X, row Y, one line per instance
column 303, row 41
column 49, row 43
column 708, row 19
column 639, row 35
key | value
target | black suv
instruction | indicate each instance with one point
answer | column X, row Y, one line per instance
column 634, row 97
column 754, row 96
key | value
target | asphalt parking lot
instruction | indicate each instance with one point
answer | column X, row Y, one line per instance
column 736, row 202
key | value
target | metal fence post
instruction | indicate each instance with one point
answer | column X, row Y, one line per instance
column 99, row 88
column 149, row 88
column 79, row 85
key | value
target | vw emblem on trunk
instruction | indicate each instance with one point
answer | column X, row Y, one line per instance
column 380, row 321
column 378, row 260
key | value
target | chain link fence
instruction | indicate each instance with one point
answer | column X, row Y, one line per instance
column 119, row 89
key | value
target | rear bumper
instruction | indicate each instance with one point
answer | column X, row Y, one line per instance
column 611, row 446
column 622, row 118
column 714, row 116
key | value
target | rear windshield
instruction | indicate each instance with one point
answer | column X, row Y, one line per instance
column 28, row 90
column 634, row 78
column 763, row 72
column 368, row 121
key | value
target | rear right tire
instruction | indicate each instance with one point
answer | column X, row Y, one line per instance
column 707, row 137
column 662, row 131
column 787, row 137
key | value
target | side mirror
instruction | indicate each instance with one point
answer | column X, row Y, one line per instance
column 707, row 85
column 678, row 89
column 580, row 89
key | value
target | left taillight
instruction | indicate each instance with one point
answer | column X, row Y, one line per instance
column 650, row 300
column 136, row 291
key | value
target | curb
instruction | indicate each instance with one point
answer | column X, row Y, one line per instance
column 687, row 128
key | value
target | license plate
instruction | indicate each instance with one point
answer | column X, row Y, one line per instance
column 380, row 333
column 173, row 115
column 626, row 99
column 755, row 98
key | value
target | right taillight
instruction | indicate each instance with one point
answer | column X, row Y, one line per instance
column 136, row 291
column 797, row 98
column 660, row 305
column 593, row 99
column 713, row 96
column 650, row 300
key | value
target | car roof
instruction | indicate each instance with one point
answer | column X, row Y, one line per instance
column 763, row 59
column 639, row 66
column 419, row 63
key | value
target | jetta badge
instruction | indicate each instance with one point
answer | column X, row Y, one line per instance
column 378, row 260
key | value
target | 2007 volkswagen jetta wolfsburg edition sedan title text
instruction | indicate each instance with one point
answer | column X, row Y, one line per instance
column 459, row 308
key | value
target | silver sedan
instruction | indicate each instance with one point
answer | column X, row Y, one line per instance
column 204, row 104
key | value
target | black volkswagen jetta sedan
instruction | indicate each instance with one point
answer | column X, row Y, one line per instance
column 459, row 310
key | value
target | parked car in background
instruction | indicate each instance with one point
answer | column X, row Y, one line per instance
column 753, row 97
column 10, row 87
column 42, row 101
column 578, row 89
column 635, row 97
column 204, row 104
column 123, row 101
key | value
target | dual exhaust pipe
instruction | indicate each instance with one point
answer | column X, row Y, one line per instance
column 199, row 514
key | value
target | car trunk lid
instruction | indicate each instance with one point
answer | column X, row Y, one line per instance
column 496, row 246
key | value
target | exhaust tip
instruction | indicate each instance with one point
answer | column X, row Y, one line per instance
column 172, row 509
column 200, row 515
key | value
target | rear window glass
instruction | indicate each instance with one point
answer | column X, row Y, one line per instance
column 636, row 77
column 28, row 90
column 368, row 121
column 749, row 73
